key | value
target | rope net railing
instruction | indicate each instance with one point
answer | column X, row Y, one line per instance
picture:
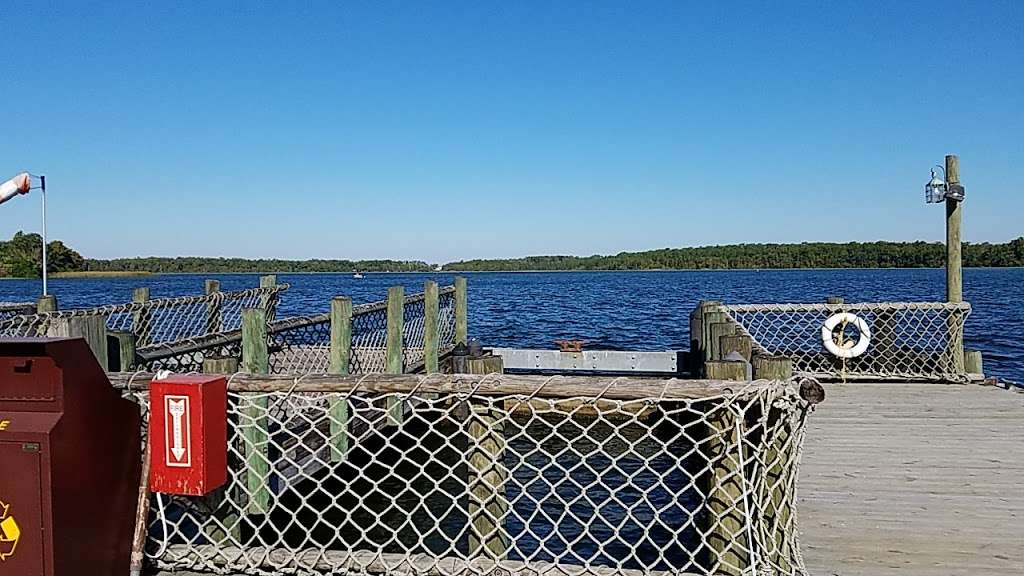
column 498, row 477
column 302, row 344
column 9, row 310
column 159, row 321
column 905, row 340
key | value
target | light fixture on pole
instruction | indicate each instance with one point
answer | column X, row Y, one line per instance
column 21, row 184
column 937, row 190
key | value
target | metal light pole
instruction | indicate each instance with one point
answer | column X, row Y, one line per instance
column 42, row 186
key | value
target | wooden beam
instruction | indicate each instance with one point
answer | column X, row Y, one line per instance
column 461, row 311
column 93, row 329
column 120, row 350
column 214, row 322
column 255, row 417
column 46, row 304
column 430, row 318
column 341, row 357
column 142, row 319
column 394, row 360
column 611, row 388
column 728, row 545
column 954, row 265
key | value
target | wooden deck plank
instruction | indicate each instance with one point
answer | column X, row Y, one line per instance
column 914, row 479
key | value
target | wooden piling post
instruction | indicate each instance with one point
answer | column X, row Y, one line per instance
column 220, row 365
column 142, row 319
column 394, row 356
column 227, row 515
column 736, row 343
column 341, row 357
column 46, row 304
column 488, row 504
column 698, row 334
column 973, row 364
column 728, row 545
column 93, row 329
column 774, row 523
column 120, row 351
column 772, row 367
column 717, row 330
column 710, row 315
column 255, row 434
column 954, row 270
column 727, row 370
column 214, row 322
column 431, row 308
column 461, row 311
column 834, row 300
column 268, row 281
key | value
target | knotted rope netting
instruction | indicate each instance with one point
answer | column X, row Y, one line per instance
column 159, row 321
column 497, row 474
column 9, row 310
column 907, row 340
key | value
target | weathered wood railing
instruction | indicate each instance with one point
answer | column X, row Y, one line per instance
column 529, row 474
column 400, row 334
column 907, row 341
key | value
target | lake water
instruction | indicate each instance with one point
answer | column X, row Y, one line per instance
column 616, row 310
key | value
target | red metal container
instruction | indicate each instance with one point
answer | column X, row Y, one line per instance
column 70, row 458
column 188, row 434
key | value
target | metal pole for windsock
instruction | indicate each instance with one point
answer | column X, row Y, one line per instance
column 21, row 184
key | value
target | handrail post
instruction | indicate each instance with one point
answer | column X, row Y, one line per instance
column 255, row 432
column 728, row 545
column 430, row 319
column 779, row 504
column 394, row 357
column 46, row 304
column 266, row 301
column 214, row 323
column 340, row 360
column 461, row 311
column 141, row 320
column 120, row 351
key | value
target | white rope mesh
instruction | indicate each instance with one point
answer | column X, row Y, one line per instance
column 9, row 310
column 158, row 321
column 471, row 483
column 919, row 340
column 302, row 345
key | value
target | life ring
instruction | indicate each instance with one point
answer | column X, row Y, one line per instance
column 848, row 349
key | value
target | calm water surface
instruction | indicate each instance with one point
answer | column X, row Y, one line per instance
column 617, row 310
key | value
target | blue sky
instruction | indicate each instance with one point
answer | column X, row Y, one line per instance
column 441, row 131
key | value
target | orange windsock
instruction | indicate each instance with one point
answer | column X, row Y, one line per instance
column 20, row 184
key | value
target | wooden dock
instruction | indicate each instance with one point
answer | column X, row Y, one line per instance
column 914, row 479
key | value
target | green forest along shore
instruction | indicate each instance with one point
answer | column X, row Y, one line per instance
column 20, row 257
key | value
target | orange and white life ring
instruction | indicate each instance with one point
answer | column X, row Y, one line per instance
column 848, row 348
column 20, row 184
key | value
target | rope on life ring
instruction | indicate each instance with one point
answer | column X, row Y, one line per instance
column 846, row 349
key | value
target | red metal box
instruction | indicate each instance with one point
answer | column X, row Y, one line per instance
column 188, row 434
column 70, row 459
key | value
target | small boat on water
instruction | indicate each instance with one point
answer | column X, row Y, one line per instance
column 357, row 276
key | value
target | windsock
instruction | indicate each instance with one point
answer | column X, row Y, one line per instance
column 17, row 185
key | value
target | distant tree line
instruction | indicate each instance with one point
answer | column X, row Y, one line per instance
column 805, row 255
column 226, row 265
column 22, row 257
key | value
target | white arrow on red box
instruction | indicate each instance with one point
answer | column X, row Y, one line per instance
column 177, row 431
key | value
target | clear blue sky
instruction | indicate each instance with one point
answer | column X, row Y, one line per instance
column 441, row 131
